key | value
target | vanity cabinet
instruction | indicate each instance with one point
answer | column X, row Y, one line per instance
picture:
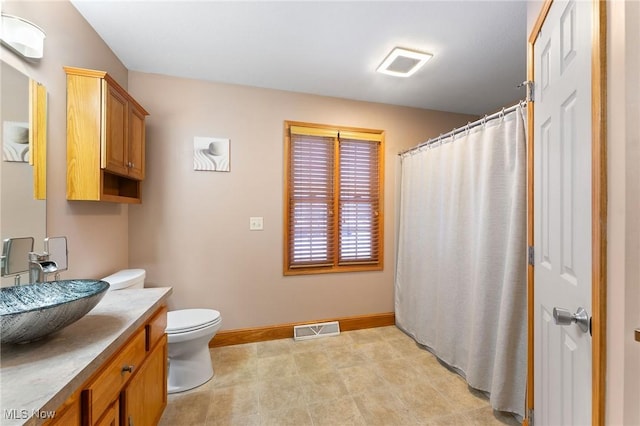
column 68, row 413
column 105, row 139
column 99, row 395
column 144, row 398
column 130, row 388
column 111, row 417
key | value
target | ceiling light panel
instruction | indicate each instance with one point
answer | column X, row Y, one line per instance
column 403, row 62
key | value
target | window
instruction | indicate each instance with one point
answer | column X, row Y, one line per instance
column 333, row 199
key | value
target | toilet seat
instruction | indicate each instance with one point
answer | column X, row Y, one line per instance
column 187, row 320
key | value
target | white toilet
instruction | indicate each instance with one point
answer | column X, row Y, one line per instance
column 188, row 333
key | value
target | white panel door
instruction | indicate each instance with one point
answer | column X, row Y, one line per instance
column 562, row 214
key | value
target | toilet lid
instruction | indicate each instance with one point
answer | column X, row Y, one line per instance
column 190, row 319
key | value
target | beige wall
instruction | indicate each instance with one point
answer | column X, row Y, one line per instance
column 97, row 232
column 623, row 309
column 192, row 230
column 194, row 226
column 623, row 274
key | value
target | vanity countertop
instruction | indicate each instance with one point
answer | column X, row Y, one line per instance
column 38, row 377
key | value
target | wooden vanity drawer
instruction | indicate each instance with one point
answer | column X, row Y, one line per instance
column 156, row 327
column 104, row 389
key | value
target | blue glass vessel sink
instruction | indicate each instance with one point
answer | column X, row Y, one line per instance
column 30, row 312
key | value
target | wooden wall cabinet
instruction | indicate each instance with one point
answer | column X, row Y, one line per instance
column 130, row 388
column 105, row 139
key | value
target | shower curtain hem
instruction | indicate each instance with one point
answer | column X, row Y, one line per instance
column 461, row 373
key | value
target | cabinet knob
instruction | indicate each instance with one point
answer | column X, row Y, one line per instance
column 127, row 369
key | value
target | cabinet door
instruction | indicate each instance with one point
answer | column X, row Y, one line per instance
column 136, row 143
column 146, row 395
column 115, row 122
column 111, row 417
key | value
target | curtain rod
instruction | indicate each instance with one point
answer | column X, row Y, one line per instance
column 468, row 126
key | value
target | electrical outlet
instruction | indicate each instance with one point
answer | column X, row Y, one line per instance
column 255, row 224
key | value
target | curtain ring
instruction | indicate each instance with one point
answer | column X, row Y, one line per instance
column 484, row 121
column 502, row 114
column 467, row 128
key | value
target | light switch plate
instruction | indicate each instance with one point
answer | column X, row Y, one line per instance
column 255, row 224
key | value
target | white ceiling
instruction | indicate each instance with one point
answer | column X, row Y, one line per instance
column 329, row 48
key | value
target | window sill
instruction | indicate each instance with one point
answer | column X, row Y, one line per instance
column 333, row 269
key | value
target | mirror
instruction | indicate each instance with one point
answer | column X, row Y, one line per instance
column 15, row 255
column 23, row 164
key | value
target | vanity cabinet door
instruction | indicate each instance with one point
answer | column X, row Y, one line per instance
column 112, row 416
column 146, row 395
column 114, row 155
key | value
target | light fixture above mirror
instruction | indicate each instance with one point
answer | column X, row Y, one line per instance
column 22, row 36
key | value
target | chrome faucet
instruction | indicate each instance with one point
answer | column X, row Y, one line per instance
column 40, row 266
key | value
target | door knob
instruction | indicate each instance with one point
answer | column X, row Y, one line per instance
column 563, row 317
column 637, row 333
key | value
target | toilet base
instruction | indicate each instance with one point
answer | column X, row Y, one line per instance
column 189, row 370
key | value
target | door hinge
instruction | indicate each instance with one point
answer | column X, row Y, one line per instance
column 530, row 416
column 529, row 89
column 531, row 256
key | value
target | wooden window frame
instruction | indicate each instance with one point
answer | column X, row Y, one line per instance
column 335, row 266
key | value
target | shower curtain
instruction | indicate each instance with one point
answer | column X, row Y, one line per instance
column 461, row 269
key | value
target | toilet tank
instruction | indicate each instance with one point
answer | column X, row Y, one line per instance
column 126, row 279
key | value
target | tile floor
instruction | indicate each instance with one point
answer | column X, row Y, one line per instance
column 376, row 376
